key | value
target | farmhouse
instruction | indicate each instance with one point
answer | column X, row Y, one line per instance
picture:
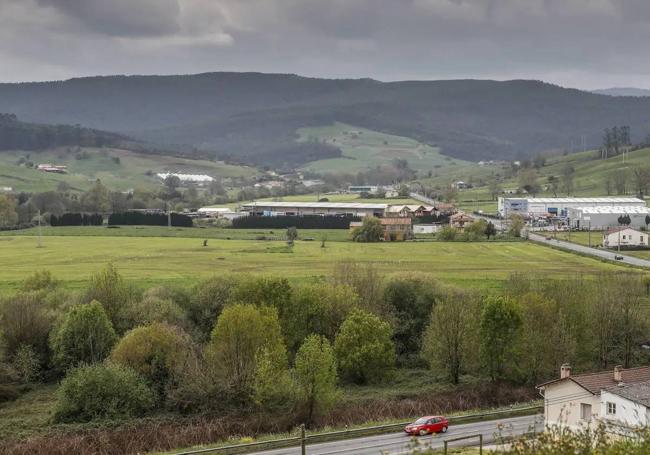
column 576, row 400
column 460, row 220
column 395, row 228
column 625, row 237
column 264, row 208
column 559, row 206
column 409, row 210
column 626, row 405
column 601, row 218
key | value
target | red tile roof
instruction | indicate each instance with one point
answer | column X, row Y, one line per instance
column 595, row 382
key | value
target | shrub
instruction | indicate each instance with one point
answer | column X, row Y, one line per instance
column 155, row 352
column 40, row 281
column 154, row 309
column 25, row 320
column 447, row 234
column 149, row 219
column 263, row 291
column 102, row 391
column 370, row 230
column 364, row 349
column 315, row 374
column 241, row 333
column 84, row 335
column 26, row 363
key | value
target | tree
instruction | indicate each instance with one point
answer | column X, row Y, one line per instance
column 102, row 391
column 647, row 221
column 553, row 184
column 568, row 173
column 528, row 181
column 365, row 280
column 85, row 335
column 499, row 329
column 108, row 287
column 156, row 352
column 450, row 342
column 208, row 299
column 26, row 321
column 242, row 332
column 96, row 199
column 494, row 188
column 292, row 235
column 409, row 298
column 620, row 181
column 364, row 349
column 8, row 214
column 315, row 374
column 263, row 291
column 475, row 231
column 490, row 230
column 319, row 309
column 516, row 225
column 370, row 230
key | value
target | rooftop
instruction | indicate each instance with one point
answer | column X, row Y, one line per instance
column 590, row 200
column 595, row 382
column 614, row 209
column 316, row 205
column 638, row 393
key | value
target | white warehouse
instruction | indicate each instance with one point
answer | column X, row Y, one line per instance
column 601, row 218
column 559, row 206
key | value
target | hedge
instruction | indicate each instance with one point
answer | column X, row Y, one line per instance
column 77, row 219
column 299, row 222
column 148, row 219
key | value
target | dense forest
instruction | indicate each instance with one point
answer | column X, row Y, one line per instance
column 253, row 116
column 18, row 135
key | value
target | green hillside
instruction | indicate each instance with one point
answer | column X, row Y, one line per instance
column 364, row 149
column 118, row 169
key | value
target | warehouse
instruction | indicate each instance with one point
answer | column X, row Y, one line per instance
column 313, row 208
column 558, row 206
column 602, row 218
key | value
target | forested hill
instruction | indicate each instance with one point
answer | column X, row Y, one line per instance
column 254, row 116
column 18, row 135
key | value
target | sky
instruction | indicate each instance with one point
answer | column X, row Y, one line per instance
column 585, row 44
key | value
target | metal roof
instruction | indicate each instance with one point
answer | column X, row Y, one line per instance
column 588, row 200
column 614, row 210
column 317, row 205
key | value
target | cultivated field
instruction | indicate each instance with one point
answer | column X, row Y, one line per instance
column 152, row 260
column 127, row 173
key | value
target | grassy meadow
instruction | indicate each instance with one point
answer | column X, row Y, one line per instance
column 128, row 173
column 183, row 260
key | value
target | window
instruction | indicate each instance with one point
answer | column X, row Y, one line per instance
column 623, row 237
column 641, row 239
column 611, row 408
column 585, row 411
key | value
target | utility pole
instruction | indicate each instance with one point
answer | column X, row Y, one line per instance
column 40, row 237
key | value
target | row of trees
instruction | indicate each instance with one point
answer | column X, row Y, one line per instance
column 77, row 219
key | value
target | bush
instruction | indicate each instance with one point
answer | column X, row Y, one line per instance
column 364, row 349
column 25, row 320
column 156, row 352
column 263, row 291
column 40, row 281
column 26, row 364
column 102, row 391
column 108, row 287
column 371, row 230
column 77, row 219
column 447, row 234
column 154, row 309
column 149, row 219
column 85, row 335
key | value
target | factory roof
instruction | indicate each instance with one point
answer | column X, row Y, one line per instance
column 614, row 210
column 589, row 200
column 317, row 205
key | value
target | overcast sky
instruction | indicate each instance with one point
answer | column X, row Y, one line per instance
column 576, row 43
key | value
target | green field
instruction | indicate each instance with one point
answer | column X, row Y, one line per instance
column 365, row 149
column 151, row 260
column 128, row 173
column 583, row 238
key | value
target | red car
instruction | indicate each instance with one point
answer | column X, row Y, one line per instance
column 427, row 425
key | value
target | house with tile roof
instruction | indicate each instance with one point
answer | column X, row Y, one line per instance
column 576, row 400
column 625, row 406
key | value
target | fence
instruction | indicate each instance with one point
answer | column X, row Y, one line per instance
column 303, row 440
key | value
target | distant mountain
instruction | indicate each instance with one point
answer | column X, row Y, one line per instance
column 623, row 91
column 252, row 117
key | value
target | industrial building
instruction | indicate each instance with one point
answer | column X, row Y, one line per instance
column 314, row 208
column 559, row 206
column 603, row 217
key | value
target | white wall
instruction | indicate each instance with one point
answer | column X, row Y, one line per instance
column 628, row 413
column 562, row 402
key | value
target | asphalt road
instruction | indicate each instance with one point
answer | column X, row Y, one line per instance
column 596, row 252
column 400, row 443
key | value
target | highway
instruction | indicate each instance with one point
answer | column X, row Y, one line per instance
column 603, row 254
column 400, row 443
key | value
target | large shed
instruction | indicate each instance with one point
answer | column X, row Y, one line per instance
column 604, row 217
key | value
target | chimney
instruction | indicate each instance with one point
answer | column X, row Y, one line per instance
column 565, row 371
column 618, row 373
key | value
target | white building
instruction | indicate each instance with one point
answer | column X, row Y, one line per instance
column 625, row 237
column 265, row 208
column 603, row 217
column 559, row 206
column 575, row 400
column 213, row 212
column 426, row 228
column 626, row 405
column 187, row 178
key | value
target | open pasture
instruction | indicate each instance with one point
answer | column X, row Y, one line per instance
column 179, row 260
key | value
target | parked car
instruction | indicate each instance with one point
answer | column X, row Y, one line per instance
column 618, row 257
column 427, row 425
